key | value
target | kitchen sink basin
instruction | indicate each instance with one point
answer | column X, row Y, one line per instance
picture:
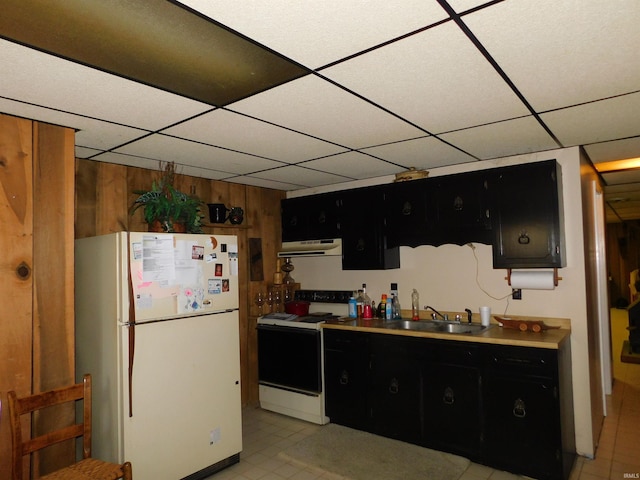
column 438, row 327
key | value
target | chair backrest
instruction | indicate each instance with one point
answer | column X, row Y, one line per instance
column 24, row 445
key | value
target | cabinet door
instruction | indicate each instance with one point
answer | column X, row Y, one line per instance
column 463, row 208
column 364, row 245
column 395, row 389
column 345, row 376
column 526, row 206
column 522, row 425
column 410, row 213
column 313, row 217
column 452, row 408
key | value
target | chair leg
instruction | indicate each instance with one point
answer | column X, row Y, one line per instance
column 126, row 467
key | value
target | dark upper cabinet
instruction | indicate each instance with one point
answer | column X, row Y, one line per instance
column 364, row 243
column 526, row 216
column 462, row 208
column 410, row 213
column 314, row 217
column 516, row 209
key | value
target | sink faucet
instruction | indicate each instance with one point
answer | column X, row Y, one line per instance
column 469, row 314
column 444, row 317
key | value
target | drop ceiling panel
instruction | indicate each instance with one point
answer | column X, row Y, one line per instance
column 45, row 80
column 301, row 177
column 614, row 150
column 313, row 106
column 90, row 132
column 609, row 119
column 316, row 35
column 461, row 6
column 436, row 79
column 624, row 177
column 354, row 165
column 183, row 152
column 421, row 153
column 238, row 132
column 563, row 53
column 513, row 137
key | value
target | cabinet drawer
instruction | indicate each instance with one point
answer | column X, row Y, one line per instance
column 523, row 361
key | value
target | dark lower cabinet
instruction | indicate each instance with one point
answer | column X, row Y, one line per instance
column 394, row 388
column 507, row 407
column 528, row 411
column 522, row 428
column 452, row 418
column 346, row 365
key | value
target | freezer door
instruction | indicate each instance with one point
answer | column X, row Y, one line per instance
column 186, row 405
column 179, row 274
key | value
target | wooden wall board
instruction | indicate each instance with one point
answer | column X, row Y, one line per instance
column 53, row 313
column 16, row 218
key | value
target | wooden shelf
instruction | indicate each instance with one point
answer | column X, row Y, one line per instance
column 225, row 225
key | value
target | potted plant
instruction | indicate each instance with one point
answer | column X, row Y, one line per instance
column 167, row 209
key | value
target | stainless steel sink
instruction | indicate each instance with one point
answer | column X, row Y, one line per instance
column 439, row 327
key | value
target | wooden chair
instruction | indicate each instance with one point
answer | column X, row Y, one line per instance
column 87, row 468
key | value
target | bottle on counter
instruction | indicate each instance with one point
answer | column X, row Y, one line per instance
column 367, row 311
column 359, row 304
column 388, row 314
column 415, row 305
column 382, row 307
column 353, row 306
column 395, row 307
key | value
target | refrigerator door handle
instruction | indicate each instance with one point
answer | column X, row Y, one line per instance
column 131, row 326
column 132, row 348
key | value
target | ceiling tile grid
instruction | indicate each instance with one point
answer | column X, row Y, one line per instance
column 387, row 86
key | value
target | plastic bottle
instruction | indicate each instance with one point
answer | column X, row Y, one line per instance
column 395, row 308
column 353, row 307
column 415, row 305
column 389, row 311
column 367, row 312
column 359, row 304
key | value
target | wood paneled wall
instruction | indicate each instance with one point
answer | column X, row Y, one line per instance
column 104, row 193
column 36, row 273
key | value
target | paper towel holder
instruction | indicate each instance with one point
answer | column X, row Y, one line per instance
column 556, row 278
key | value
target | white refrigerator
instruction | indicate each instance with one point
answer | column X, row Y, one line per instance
column 157, row 328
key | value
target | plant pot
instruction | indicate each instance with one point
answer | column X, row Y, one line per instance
column 163, row 226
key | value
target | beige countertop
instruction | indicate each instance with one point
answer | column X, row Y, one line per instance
column 497, row 335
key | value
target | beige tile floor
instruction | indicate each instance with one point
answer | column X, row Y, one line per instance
column 265, row 434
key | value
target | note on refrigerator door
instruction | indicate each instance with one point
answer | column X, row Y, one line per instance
column 233, row 259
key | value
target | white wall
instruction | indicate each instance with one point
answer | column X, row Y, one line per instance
column 449, row 278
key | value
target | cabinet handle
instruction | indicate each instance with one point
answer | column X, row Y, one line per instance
column 394, row 386
column 458, row 203
column 519, row 408
column 293, row 221
column 406, row 208
column 322, row 218
column 448, row 398
column 524, row 239
column 344, row 378
column 360, row 245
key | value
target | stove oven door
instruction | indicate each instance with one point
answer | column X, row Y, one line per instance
column 290, row 358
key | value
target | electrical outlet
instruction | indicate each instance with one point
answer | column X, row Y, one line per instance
column 516, row 294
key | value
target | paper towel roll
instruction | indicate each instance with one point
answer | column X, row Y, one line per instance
column 533, row 280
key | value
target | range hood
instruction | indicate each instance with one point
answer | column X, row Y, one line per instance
column 312, row 248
